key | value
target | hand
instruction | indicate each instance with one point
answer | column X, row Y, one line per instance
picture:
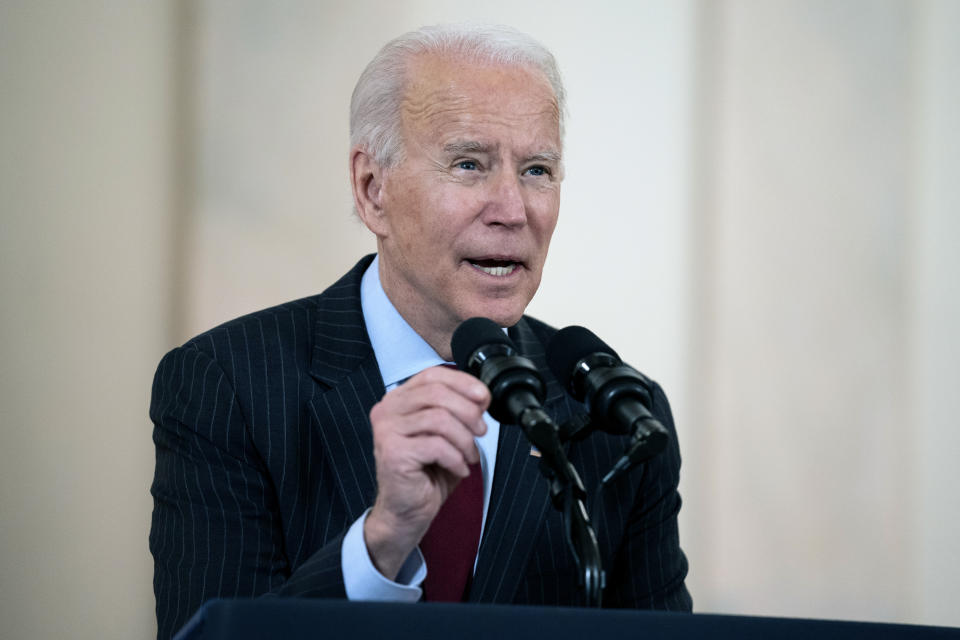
column 423, row 442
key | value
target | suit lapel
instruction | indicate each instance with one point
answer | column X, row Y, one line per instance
column 345, row 368
column 349, row 384
column 520, row 496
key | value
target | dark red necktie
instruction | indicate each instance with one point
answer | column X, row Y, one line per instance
column 450, row 544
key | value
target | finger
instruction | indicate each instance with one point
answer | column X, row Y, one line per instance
column 437, row 421
column 463, row 383
column 410, row 401
column 396, row 431
column 435, row 450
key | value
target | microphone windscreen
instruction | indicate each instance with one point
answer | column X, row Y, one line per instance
column 570, row 345
column 473, row 334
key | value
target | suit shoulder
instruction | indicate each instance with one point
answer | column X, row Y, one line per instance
column 293, row 318
column 240, row 348
column 252, row 341
column 299, row 310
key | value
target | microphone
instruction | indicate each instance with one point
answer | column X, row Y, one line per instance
column 481, row 348
column 615, row 394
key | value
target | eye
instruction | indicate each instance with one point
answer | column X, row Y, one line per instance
column 538, row 170
column 467, row 165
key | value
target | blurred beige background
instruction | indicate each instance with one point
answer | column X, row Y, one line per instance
column 761, row 211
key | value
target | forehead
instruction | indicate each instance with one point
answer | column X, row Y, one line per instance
column 447, row 98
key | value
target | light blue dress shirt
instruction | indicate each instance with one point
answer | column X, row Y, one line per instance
column 400, row 353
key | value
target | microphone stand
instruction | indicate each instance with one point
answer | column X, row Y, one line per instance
column 517, row 390
column 567, row 495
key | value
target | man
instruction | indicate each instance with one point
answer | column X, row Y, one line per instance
column 306, row 449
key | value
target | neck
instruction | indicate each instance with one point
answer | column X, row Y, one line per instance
column 418, row 315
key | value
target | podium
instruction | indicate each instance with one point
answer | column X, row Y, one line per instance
column 296, row 619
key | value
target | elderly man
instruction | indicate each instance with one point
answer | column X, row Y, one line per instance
column 312, row 449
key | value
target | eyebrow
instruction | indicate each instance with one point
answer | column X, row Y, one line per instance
column 460, row 147
column 546, row 156
column 467, row 146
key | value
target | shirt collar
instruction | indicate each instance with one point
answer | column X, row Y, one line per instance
column 400, row 351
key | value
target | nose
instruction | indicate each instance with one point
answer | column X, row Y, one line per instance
column 506, row 204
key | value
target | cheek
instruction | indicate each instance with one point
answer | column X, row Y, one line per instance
column 410, row 220
column 446, row 214
column 451, row 200
column 546, row 211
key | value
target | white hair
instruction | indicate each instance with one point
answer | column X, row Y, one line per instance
column 375, row 105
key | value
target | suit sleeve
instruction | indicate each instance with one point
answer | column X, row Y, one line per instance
column 215, row 530
column 649, row 569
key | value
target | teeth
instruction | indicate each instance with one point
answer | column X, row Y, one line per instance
column 496, row 271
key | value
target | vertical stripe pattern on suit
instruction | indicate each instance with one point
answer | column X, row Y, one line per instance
column 264, row 457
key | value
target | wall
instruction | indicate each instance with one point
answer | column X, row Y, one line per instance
column 769, row 184
column 86, row 195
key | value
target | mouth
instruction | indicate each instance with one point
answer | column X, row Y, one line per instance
column 497, row 267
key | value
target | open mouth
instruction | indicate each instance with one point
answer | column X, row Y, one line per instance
column 497, row 268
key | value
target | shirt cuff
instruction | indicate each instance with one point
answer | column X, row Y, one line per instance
column 363, row 581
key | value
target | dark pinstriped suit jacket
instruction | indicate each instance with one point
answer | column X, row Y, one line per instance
column 264, row 459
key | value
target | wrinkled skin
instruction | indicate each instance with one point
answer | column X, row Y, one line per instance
column 463, row 223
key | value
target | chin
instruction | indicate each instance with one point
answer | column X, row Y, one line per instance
column 503, row 315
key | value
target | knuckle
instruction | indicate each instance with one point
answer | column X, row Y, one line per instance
column 377, row 412
column 435, row 419
column 430, row 375
column 431, row 448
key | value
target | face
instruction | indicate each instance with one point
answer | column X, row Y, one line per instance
column 465, row 219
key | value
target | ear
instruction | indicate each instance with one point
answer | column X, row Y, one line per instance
column 366, row 180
